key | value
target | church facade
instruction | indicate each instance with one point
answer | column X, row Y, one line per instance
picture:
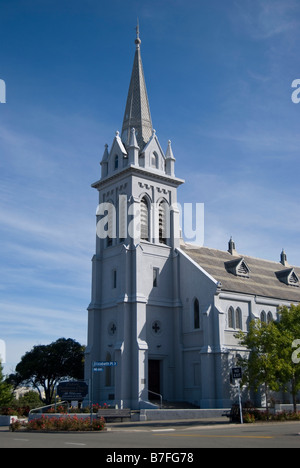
column 163, row 314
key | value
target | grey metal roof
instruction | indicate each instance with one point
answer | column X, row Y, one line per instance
column 264, row 277
column 137, row 112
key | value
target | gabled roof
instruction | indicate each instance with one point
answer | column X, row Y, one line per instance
column 264, row 278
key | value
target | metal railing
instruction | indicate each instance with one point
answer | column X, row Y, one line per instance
column 42, row 408
column 160, row 397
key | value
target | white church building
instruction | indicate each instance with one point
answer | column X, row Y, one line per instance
column 165, row 313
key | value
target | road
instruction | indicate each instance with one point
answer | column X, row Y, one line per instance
column 279, row 435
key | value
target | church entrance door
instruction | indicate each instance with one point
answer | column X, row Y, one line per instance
column 154, row 367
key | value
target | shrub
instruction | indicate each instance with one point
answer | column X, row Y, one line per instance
column 249, row 418
column 14, row 410
column 69, row 423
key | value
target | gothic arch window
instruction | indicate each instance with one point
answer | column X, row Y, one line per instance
column 122, row 217
column 230, row 317
column 154, row 160
column 142, row 160
column 144, row 210
column 238, row 319
column 269, row 317
column 163, row 222
column 196, row 314
column 111, row 228
column 263, row 317
column 116, row 162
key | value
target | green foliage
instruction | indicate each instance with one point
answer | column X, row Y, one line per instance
column 270, row 349
column 6, row 390
column 45, row 365
column 289, row 329
column 30, row 399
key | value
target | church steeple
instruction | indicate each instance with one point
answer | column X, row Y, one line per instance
column 137, row 112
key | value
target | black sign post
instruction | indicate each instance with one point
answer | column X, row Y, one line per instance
column 237, row 374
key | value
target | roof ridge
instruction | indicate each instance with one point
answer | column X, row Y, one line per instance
column 192, row 247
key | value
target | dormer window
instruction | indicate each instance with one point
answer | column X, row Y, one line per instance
column 238, row 267
column 288, row 277
column 116, row 162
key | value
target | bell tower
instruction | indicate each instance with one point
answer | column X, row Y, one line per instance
column 135, row 286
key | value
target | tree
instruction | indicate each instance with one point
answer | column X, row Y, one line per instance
column 262, row 366
column 6, row 390
column 289, row 330
column 46, row 365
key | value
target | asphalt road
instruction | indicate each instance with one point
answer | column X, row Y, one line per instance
column 168, row 436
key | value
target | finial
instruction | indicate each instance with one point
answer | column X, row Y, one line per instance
column 138, row 40
column 231, row 247
column 283, row 258
column 133, row 141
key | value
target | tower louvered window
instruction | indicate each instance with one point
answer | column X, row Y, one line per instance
column 110, row 228
column 162, row 221
column 144, row 220
column 122, row 217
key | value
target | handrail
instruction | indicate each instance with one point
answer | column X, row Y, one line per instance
column 160, row 396
column 47, row 406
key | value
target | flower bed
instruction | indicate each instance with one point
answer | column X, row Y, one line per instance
column 252, row 416
column 69, row 423
column 15, row 410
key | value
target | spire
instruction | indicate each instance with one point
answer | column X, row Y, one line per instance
column 137, row 112
column 170, row 160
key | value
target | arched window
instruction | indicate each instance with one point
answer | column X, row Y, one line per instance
column 116, row 162
column 144, row 209
column 162, row 222
column 111, row 227
column 154, row 160
column 142, row 160
column 196, row 314
column 263, row 317
column 231, row 318
column 238, row 319
column 122, row 210
column 270, row 317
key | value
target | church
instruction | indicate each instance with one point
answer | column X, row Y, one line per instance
column 163, row 314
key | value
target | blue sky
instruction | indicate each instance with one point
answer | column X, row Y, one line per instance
column 219, row 77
